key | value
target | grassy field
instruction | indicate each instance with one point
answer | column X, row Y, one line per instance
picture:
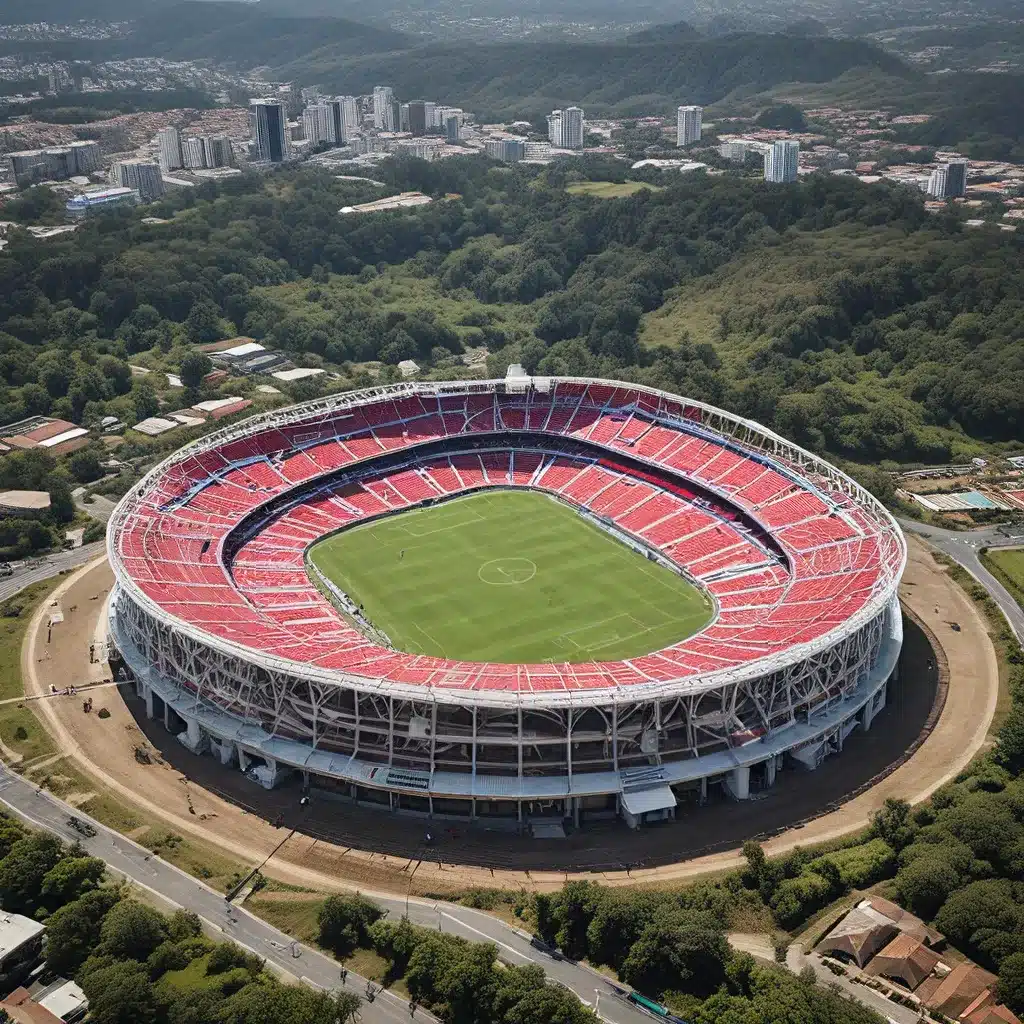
column 20, row 730
column 1008, row 565
column 608, row 189
column 509, row 576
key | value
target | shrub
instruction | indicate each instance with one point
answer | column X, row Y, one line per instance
column 860, row 866
column 797, row 898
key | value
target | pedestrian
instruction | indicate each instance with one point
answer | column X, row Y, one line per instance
column 401, row 554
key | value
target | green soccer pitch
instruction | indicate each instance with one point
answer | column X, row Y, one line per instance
column 509, row 576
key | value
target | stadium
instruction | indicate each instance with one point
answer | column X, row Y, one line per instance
column 528, row 599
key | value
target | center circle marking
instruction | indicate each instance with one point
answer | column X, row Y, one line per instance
column 507, row 572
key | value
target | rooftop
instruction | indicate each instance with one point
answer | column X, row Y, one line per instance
column 28, row 501
column 16, row 931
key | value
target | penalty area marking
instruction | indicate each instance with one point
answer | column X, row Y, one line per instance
column 507, row 572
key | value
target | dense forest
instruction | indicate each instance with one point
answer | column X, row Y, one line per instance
column 901, row 342
column 508, row 80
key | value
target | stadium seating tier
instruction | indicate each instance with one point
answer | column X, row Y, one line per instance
column 786, row 560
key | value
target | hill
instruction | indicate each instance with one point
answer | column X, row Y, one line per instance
column 249, row 34
column 61, row 12
column 624, row 78
column 981, row 115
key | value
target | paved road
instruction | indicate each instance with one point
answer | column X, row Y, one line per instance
column 796, row 960
column 963, row 546
column 36, row 569
column 132, row 861
column 101, row 507
column 594, row 989
column 135, row 862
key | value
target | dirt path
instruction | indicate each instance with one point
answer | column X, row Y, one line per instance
column 105, row 748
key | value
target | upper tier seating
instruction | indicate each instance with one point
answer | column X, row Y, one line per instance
column 704, row 502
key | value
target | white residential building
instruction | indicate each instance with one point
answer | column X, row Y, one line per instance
column 141, row 175
column 169, row 143
column 782, row 161
column 318, row 123
column 565, row 128
column 688, row 124
column 383, row 108
column 349, row 112
column 948, row 181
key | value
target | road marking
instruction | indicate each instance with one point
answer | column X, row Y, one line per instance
column 486, row 937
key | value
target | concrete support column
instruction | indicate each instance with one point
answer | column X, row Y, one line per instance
column 243, row 760
column 866, row 715
column 167, row 716
column 769, row 772
column 738, row 783
column 703, row 791
column 149, row 702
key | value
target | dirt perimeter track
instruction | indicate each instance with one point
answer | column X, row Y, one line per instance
column 105, row 749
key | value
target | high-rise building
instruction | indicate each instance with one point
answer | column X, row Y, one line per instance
column 349, row 112
column 734, row 151
column 58, row 163
column 688, row 122
column 337, row 109
column 555, row 128
column 403, row 117
column 318, row 124
column 508, row 150
column 193, row 154
column 169, row 144
column 383, row 108
column 949, row 181
column 87, row 156
column 453, row 128
column 141, row 175
column 430, row 115
column 218, row 151
column 565, row 128
column 418, row 117
column 781, row 161
column 269, row 130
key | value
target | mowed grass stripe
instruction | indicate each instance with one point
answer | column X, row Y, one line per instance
column 509, row 576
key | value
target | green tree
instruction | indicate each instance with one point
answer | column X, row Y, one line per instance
column 685, row 952
column 73, row 932
column 892, row 823
column 343, row 922
column 203, row 323
column 23, row 870
column 1010, row 990
column 71, row 878
column 194, row 367
column 183, row 924
column 121, row 993
column 10, row 832
column 576, row 903
column 926, row 882
column 85, row 466
column 467, row 985
column 193, row 1006
column 131, row 931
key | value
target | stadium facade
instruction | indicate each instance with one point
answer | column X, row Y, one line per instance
column 216, row 618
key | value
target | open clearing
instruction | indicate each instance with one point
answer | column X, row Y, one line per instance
column 509, row 576
column 1009, row 565
column 608, row 189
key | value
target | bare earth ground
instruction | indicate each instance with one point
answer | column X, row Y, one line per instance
column 105, row 749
